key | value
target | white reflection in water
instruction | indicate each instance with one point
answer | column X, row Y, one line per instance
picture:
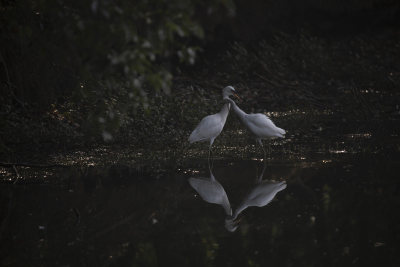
column 261, row 194
column 211, row 191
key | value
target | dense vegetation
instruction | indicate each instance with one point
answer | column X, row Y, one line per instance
column 101, row 57
column 100, row 69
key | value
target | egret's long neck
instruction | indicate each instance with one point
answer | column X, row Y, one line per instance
column 225, row 201
column 227, row 205
column 225, row 111
column 239, row 209
column 237, row 110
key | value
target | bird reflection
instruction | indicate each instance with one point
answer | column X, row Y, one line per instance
column 260, row 195
column 211, row 191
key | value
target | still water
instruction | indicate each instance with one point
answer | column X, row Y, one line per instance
column 336, row 211
column 327, row 195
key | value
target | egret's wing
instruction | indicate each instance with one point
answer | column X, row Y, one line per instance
column 261, row 195
column 264, row 192
column 263, row 122
column 211, row 191
column 260, row 120
column 210, row 126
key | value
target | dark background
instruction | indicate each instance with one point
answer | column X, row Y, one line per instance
column 89, row 69
column 98, row 98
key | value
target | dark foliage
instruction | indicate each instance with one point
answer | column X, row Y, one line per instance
column 88, row 68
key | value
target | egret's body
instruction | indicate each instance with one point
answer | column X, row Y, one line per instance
column 211, row 126
column 258, row 124
column 211, row 191
column 261, row 195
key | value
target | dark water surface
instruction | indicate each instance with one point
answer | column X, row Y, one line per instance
column 331, row 214
column 340, row 207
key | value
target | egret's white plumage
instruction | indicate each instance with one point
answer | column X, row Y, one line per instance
column 211, row 126
column 211, row 191
column 259, row 125
column 261, row 195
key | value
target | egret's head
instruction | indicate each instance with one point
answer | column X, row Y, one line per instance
column 230, row 224
column 228, row 91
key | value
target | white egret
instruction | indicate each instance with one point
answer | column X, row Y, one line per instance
column 259, row 125
column 211, row 191
column 262, row 194
column 211, row 126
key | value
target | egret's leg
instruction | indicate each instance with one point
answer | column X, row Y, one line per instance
column 257, row 142
column 209, row 158
column 262, row 173
column 269, row 150
column 209, row 166
column 261, row 144
column 209, row 153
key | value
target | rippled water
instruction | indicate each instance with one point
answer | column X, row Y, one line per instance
column 329, row 196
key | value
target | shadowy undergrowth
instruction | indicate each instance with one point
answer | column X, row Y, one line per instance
column 283, row 73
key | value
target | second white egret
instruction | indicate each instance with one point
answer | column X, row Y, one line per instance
column 259, row 125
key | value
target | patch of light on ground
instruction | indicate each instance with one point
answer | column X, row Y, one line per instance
column 294, row 112
column 359, row 135
column 338, row 151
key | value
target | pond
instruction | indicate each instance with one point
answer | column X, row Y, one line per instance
column 323, row 199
